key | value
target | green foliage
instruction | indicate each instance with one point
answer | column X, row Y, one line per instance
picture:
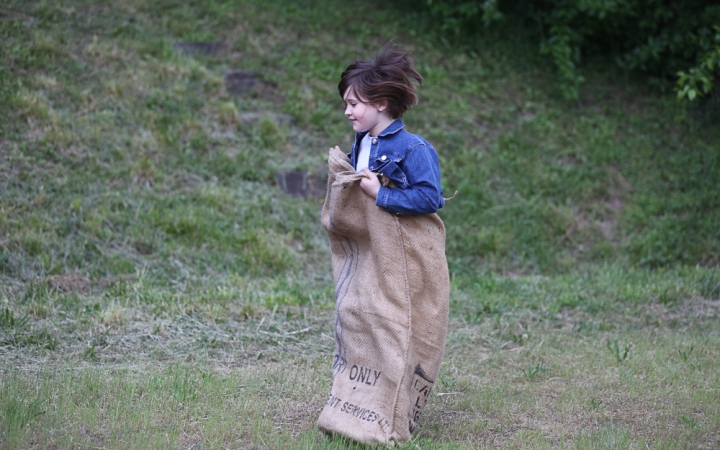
column 663, row 39
column 455, row 14
column 699, row 81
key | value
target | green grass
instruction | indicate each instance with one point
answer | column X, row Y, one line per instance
column 158, row 290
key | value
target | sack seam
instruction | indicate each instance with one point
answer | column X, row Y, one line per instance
column 401, row 384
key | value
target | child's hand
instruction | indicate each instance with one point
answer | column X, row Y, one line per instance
column 371, row 184
column 336, row 148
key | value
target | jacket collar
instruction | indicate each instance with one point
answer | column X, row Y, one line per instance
column 393, row 128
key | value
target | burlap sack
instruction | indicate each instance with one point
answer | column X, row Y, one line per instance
column 392, row 292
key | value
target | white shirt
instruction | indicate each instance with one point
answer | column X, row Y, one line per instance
column 363, row 160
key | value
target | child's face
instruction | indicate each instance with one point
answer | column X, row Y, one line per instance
column 364, row 116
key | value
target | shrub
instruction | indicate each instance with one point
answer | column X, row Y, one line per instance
column 668, row 41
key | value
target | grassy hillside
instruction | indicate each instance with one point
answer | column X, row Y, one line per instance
column 149, row 261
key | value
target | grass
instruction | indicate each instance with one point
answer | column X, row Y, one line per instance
column 158, row 290
column 529, row 374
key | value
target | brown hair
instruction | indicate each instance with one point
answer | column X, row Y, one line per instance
column 385, row 77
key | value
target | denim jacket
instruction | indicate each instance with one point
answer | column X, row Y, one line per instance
column 411, row 163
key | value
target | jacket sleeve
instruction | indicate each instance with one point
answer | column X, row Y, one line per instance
column 423, row 194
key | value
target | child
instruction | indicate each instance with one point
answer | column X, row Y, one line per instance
column 376, row 94
column 388, row 254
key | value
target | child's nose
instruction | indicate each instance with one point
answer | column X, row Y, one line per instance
column 347, row 110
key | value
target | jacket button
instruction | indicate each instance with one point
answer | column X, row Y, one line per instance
column 383, row 158
column 374, row 141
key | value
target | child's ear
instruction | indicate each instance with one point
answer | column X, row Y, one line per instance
column 382, row 105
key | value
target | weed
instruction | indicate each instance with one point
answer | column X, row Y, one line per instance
column 596, row 404
column 710, row 285
column 247, row 311
column 269, row 135
column 183, row 386
column 688, row 421
column 9, row 321
column 608, row 437
column 16, row 411
column 41, row 338
column 615, row 350
column 90, row 353
column 448, row 382
column 17, row 331
column 35, row 292
column 519, row 338
column 534, row 370
column 669, row 296
column 685, row 354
